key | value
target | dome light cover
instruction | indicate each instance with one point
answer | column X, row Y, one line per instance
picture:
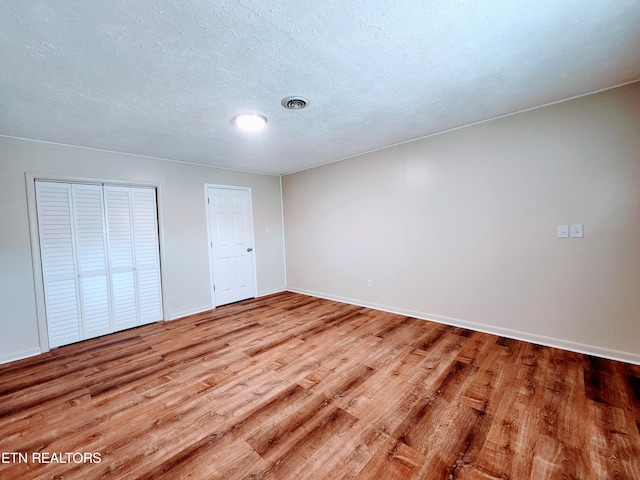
column 251, row 122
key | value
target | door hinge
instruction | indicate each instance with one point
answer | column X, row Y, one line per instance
column 208, row 200
column 214, row 288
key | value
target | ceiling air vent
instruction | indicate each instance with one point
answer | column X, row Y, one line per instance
column 294, row 103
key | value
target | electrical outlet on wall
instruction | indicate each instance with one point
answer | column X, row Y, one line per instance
column 577, row 231
column 369, row 283
column 563, row 231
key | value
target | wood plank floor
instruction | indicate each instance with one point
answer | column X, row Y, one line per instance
column 294, row 387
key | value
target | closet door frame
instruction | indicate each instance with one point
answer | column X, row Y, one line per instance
column 38, row 281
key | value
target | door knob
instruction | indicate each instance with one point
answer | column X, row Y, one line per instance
column 249, row 249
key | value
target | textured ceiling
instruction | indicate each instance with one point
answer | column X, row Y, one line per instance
column 164, row 78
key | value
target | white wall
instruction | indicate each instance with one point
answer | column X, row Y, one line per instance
column 461, row 227
column 186, row 264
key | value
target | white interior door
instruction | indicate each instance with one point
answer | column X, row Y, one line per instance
column 231, row 244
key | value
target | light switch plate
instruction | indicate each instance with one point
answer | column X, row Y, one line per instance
column 563, row 231
column 577, row 231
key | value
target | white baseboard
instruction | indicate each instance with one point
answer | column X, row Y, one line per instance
column 270, row 292
column 628, row 357
column 12, row 357
column 192, row 311
column 595, row 350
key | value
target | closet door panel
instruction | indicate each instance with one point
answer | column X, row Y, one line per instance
column 63, row 319
column 124, row 300
column 57, row 254
column 95, row 306
column 147, row 267
column 91, row 259
column 120, row 245
column 119, row 223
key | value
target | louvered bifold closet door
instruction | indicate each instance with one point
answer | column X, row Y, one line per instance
column 100, row 259
column 57, row 254
column 147, row 259
column 118, row 207
column 91, row 259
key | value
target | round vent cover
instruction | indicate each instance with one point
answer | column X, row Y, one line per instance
column 294, row 103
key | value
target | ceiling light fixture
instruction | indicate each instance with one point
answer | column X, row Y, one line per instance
column 294, row 103
column 251, row 122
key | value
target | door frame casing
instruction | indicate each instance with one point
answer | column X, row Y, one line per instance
column 210, row 240
column 34, row 235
